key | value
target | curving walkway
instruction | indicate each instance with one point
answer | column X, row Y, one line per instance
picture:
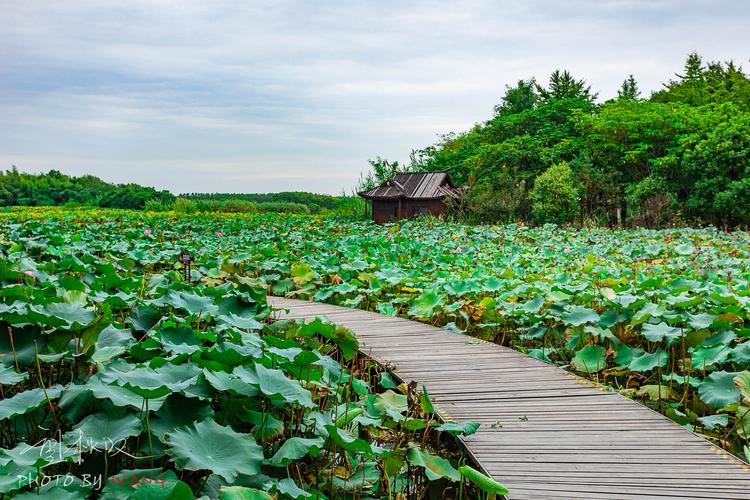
column 545, row 433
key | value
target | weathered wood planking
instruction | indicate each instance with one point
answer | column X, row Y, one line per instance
column 545, row 432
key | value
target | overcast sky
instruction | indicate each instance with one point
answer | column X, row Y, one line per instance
column 251, row 96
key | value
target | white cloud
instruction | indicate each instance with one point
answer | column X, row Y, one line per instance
column 280, row 95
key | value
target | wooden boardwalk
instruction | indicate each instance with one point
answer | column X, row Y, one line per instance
column 545, row 433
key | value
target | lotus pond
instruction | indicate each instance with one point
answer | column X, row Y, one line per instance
column 121, row 379
column 661, row 316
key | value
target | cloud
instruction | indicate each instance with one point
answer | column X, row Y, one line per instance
column 282, row 95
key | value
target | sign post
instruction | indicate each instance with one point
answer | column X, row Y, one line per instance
column 186, row 259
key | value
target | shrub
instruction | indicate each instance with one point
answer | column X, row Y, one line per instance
column 233, row 205
column 496, row 199
column 184, row 206
column 156, row 205
column 283, row 207
column 554, row 197
column 352, row 207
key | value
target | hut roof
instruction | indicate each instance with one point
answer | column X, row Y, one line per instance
column 414, row 186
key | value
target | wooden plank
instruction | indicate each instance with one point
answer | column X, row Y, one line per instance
column 556, row 435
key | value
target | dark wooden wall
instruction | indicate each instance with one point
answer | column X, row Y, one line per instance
column 388, row 210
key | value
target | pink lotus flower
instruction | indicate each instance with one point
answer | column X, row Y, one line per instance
column 567, row 250
column 147, row 231
column 200, row 251
column 29, row 273
column 220, row 233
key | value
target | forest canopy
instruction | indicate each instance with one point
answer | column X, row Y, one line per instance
column 56, row 188
column 681, row 156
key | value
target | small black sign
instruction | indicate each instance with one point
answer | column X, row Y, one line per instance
column 186, row 259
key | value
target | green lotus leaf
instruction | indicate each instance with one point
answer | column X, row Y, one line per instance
column 434, row 467
column 296, row 448
column 661, row 332
column 101, row 431
column 742, row 382
column 387, row 308
column 190, row 302
column 365, row 476
column 145, row 484
column 9, row 376
column 701, row 321
column 649, row 361
column 13, row 476
column 207, row 445
column 242, row 493
column 178, row 411
column 718, row 389
column 391, row 404
column 289, row 489
column 151, row 383
column 741, row 354
column 69, row 316
column 534, row 305
column 577, row 316
column 111, row 342
column 707, row 357
column 345, row 440
column 49, row 452
column 459, row 429
column 266, row 426
column 223, row 381
column 711, row 422
column 656, row 392
column 302, row 273
column 483, row 482
column 179, row 340
column 25, row 401
column 274, row 384
column 424, row 306
column 676, row 378
column 590, row 359
column 51, row 490
column 742, row 416
column 117, row 395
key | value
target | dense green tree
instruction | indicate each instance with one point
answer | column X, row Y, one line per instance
column 315, row 202
column 562, row 85
column 715, row 171
column 629, row 89
column 521, row 97
column 680, row 156
column 498, row 197
column 56, row 188
column 703, row 84
column 380, row 171
column 554, row 197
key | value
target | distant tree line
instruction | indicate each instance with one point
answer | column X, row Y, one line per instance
column 551, row 153
column 55, row 188
column 314, row 202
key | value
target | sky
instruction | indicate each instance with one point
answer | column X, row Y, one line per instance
column 252, row 96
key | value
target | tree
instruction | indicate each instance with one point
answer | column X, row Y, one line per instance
column 554, row 197
column 522, row 97
column 703, row 84
column 715, row 169
column 56, row 188
column 693, row 70
column 562, row 85
column 498, row 198
column 679, row 156
column 629, row 90
column 380, row 171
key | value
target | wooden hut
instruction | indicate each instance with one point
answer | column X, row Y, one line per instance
column 411, row 193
